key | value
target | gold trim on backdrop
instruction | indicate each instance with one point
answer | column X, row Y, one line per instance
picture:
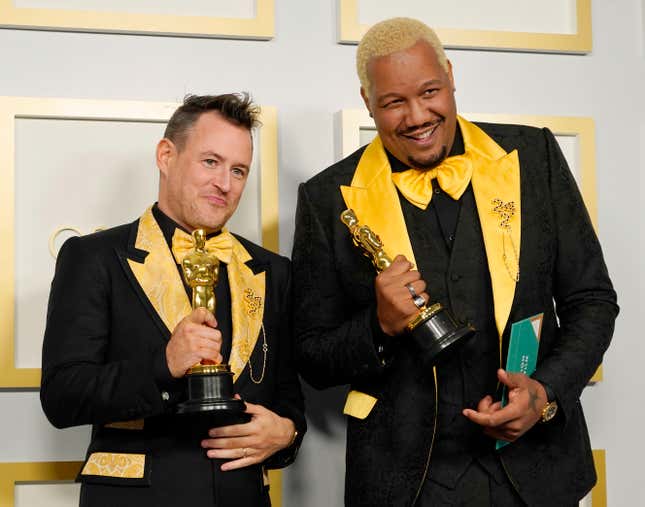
column 269, row 179
column 354, row 120
column 12, row 474
column 599, row 491
column 12, row 108
column 261, row 26
column 351, row 31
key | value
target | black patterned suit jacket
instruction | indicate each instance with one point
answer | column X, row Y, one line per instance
column 104, row 364
column 563, row 274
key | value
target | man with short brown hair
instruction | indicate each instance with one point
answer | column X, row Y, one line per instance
column 121, row 333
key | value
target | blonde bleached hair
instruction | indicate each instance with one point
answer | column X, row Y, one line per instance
column 391, row 36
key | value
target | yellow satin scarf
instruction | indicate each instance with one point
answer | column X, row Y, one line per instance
column 453, row 176
column 221, row 245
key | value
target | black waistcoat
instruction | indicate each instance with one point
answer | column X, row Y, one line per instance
column 457, row 276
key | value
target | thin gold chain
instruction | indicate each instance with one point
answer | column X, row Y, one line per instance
column 265, row 349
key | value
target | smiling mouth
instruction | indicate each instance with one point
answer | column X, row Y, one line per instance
column 423, row 134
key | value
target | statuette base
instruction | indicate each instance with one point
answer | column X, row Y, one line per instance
column 436, row 333
column 211, row 392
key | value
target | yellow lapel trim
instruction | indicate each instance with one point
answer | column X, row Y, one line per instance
column 374, row 199
column 247, row 307
column 158, row 275
column 496, row 175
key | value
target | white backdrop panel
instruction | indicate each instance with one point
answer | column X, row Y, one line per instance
column 215, row 8
column 51, row 495
column 28, row 436
column 546, row 16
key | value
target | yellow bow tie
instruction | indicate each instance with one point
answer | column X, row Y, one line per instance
column 221, row 245
column 453, row 176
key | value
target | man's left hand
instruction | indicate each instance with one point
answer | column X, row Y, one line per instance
column 526, row 399
column 250, row 443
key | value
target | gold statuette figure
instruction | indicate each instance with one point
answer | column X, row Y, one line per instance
column 201, row 271
column 210, row 385
column 433, row 329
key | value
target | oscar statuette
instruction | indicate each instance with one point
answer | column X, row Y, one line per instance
column 210, row 385
column 434, row 330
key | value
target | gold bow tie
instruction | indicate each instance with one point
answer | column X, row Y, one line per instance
column 453, row 176
column 221, row 245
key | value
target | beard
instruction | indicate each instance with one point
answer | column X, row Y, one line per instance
column 429, row 163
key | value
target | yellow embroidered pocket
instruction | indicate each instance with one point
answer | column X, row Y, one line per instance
column 359, row 404
column 121, row 465
column 121, row 469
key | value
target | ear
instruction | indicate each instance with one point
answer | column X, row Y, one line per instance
column 166, row 152
column 367, row 101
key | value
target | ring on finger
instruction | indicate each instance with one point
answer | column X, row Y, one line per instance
column 419, row 302
column 411, row 290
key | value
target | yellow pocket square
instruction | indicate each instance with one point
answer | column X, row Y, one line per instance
column 119, row 465
column 359, row 404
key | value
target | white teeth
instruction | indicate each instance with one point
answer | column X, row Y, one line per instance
column 424, row 135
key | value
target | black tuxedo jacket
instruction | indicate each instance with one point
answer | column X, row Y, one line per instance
column 562, row 274
column 104, row 364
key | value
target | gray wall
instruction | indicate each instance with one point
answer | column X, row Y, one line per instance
column 309, row 77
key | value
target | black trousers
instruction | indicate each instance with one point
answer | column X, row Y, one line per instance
column 475, row 488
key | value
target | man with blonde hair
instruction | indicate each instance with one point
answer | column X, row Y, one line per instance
column 486, row 220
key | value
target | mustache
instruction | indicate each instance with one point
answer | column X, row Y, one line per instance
column 414, row 128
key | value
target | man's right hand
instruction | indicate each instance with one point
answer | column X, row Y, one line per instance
column 394, row 306
column 195, row 338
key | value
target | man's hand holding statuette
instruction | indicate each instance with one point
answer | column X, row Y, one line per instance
column 394, row 305
column 195, row 338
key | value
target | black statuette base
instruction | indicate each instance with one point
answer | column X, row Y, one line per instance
column 212, row 395
column 439, row 335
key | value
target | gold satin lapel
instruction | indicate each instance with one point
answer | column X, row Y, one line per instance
column 496, row 175
column 374, row 199
column 247, row 307
column 158, row 275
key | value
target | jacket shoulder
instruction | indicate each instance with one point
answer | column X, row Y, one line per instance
column 101, row 241
column 261, row 254
column 511, row 136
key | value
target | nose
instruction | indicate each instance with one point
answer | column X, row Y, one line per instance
column 417, row 114
column 222, row 179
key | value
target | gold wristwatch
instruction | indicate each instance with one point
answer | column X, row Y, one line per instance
column 551, row 407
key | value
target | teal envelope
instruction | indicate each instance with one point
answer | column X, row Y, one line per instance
column 522, row 352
